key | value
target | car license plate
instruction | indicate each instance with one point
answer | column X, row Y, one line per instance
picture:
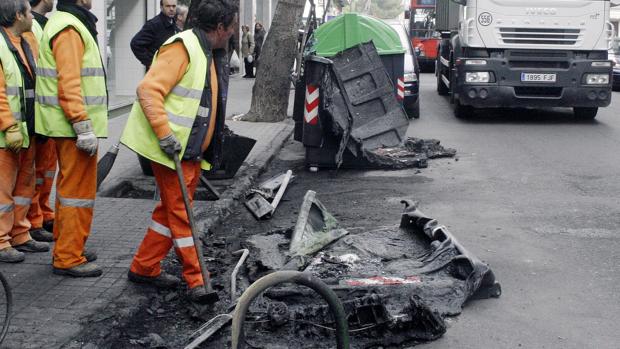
column 536, row 77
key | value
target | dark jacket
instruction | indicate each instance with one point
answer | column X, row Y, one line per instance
column 41, row 19
column 259, row 38
column 152, row 35
column 214, row 153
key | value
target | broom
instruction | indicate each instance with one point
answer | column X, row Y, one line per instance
column 105, row 163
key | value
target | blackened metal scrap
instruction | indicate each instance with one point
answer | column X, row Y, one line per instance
column 415, row 152
column 462, row 264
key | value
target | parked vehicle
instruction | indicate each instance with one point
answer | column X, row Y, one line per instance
column 614, row 56
column 543, row 53
column 424, row 38
column 411, row 101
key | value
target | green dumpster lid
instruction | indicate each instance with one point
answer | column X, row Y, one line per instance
column 350, row 29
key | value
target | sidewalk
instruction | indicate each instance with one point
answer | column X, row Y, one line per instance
column 49, row 310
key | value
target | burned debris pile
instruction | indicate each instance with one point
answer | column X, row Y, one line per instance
column 355, row 119
column 396, row 284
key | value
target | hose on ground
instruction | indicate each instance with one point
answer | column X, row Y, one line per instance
column 296, row 277
column 9, row 307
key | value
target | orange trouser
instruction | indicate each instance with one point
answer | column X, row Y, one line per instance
column 16, row 191
column 170, row 225
column 76, row 187
column 45, row 166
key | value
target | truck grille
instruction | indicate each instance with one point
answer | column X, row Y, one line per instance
column 540, row 36
column 538, row 91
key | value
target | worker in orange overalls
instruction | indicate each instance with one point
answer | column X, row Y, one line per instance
column 17, row 79
column 41, row 215
column 71, row 108
column 181, row 109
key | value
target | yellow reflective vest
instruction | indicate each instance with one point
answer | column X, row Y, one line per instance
column 50, row 119
column 182, row 106
column 14, row 88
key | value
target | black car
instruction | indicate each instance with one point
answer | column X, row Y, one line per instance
column 411, row 101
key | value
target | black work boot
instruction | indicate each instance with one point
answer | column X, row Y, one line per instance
column 199, row 294
column 48, row 225
column 11, row 255
column 80, row 271
column 33, row 246
column 40, row 234
column 163, row 280
column 90, row 255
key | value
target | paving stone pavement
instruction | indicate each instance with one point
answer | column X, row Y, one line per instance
column 49, row 310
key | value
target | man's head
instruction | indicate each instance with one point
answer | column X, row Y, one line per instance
column 258, row 26
column 87, row 4
column 181, row 16
column 42, row 6
column 168, row 7
column 245, row 28
column 16, row 14
column 219, row 19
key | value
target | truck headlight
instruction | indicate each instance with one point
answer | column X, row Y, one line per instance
column 475, row 62
column 476, row 77
column 409, row 77
column 597, row 79
column 605, row 64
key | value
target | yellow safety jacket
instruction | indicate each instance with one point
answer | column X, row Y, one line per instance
column 50, row 119
column 182, row 106
column 37, row 30
column 15, row 90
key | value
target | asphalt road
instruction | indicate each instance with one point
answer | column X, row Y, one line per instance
column 536, row 194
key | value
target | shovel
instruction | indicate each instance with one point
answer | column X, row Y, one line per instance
column 210, row 296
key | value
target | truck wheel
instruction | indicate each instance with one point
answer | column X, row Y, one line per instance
column 585, row 113
column 463, row 111
column 414, row 111
column 442, row 89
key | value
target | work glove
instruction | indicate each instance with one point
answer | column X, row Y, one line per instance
column 170, row 145
column 86, row 139
column 14, row 138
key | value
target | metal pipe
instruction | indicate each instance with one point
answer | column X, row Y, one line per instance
column 197, row 243
column 279, row 277
column 233, row 277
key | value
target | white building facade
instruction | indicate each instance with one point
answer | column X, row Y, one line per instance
column 120, row 20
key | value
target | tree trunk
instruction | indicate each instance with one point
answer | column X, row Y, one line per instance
column 271, row 91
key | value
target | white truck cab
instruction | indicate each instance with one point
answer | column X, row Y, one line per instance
column 525, row 53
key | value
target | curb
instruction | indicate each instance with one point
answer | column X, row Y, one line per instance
column 212, row 213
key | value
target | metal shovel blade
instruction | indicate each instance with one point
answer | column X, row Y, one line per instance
column 259, row 206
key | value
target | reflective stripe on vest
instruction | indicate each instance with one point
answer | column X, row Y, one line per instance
column 81, row 203
column 50, row 174
column 49, row 117
column 182, row 106
column 39, row 181
column 14, row 90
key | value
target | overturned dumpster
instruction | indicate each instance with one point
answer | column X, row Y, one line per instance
column 396, row 284
column 346, row 101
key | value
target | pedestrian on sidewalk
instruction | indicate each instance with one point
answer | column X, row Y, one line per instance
column 181, row 17
column 259, row 39
column 40, row 214
column 155, row 32
column 71, row 107
column 247, row 51
column 181, row 109
column 17, row 81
